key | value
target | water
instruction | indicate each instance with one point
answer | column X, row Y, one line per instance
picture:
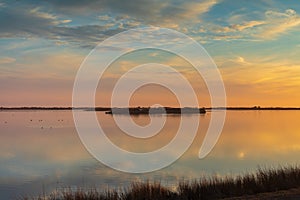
column 40, row 151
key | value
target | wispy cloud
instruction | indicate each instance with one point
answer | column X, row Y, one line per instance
column 27, row 22
column 168, row 13
column 33, row 22
column 239, row 27
column 7, row 60
column 263, row 73
column 279, row 23
column 270, row 27
column 192, row 10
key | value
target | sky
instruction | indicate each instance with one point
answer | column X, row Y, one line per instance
column 255, row 45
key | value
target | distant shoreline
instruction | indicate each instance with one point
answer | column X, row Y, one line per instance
column 254, row 108
column 108, row 108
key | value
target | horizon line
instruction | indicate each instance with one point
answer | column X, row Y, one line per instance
column 104, row 108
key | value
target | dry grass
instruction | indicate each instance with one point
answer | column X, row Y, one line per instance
column 263, row 181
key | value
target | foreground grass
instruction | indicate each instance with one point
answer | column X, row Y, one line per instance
column 263, row 181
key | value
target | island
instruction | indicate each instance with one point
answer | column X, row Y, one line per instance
column 155, row 110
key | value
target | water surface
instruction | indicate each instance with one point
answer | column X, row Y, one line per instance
column 40, row 151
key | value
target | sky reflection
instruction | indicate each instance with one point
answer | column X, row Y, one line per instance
column 42, row 149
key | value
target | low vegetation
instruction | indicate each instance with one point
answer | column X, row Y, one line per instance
column 264, row 180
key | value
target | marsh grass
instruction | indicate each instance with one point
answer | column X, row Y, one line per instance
column 264, row 180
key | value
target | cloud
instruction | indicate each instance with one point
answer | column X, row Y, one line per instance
column 226, row 37
column 31, row 22
column 87, row 36
column 279, row 23
column 49, row 19
column 150, row 12
column 7, row 60
column 27, row 22
column 169, row 14
column 188, row 11
column 268, row 84
column 59, row 64
column 239, row 27
column 273, row 25
column 265, row 74
column 44, row 15
column 142, row 8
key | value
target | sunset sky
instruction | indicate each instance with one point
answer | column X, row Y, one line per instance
column 255, row 44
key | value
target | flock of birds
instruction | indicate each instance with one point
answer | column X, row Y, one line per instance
column 40, row 120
